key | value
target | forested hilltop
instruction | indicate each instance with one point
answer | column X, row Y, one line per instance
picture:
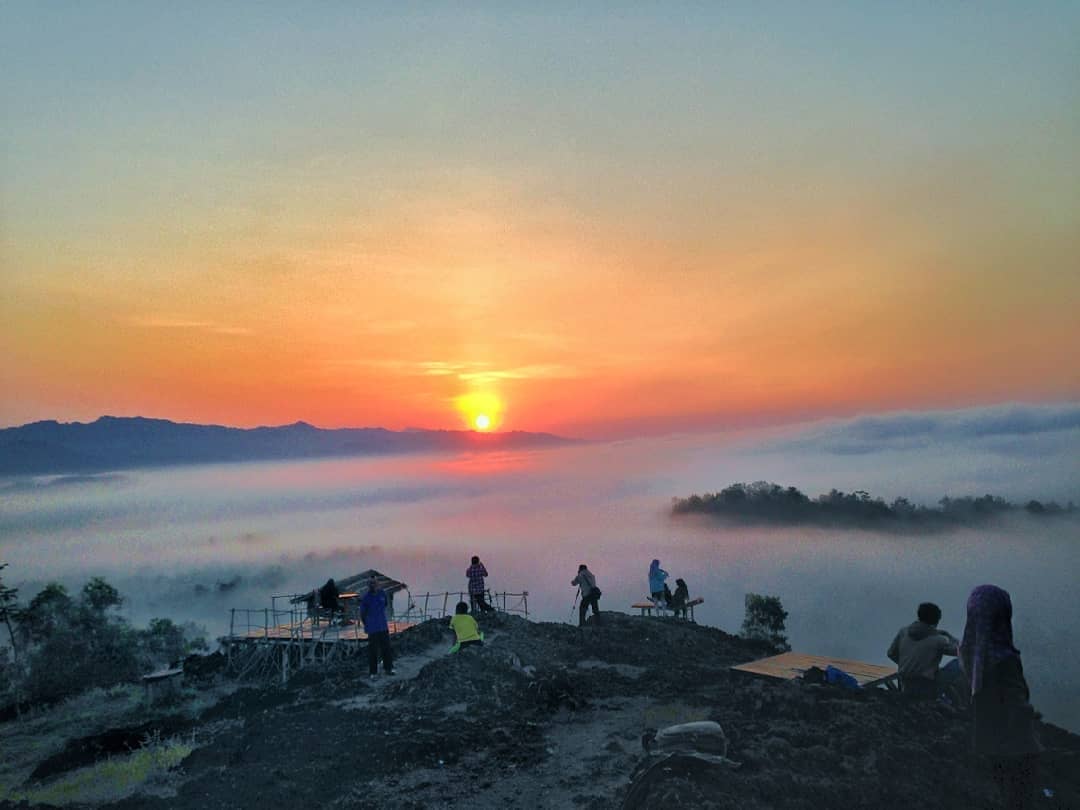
column 765, row 502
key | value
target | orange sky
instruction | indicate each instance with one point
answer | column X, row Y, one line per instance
column 599, row 260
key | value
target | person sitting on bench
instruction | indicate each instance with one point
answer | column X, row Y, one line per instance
column 917, row 650
column 680, row 598
column 328, row 598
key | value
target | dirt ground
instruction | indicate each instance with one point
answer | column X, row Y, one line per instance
column 550, row 716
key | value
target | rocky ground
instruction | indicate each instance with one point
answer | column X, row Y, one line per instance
column 550, row 716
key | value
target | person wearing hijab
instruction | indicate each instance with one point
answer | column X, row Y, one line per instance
column 1004, row 720
column 657, row 575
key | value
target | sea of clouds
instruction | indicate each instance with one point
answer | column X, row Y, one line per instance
column 193, row 542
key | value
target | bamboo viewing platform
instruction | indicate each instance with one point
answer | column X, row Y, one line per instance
column 307, row 630
column 292, row 634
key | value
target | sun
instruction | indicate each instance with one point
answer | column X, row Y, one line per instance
column 482, row 411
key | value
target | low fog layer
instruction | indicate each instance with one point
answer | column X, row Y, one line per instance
column 191, row 543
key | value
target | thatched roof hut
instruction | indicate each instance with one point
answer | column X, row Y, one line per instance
column 358, row 583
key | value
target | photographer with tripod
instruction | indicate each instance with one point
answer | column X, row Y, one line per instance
column 590, row 593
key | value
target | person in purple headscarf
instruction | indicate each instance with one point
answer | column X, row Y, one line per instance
column 1004, row 721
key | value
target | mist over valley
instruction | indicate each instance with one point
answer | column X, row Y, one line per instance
column 189, row 543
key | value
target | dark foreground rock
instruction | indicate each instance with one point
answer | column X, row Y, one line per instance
column 549, row 716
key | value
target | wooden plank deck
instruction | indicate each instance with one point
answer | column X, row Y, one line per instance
column 323, row 632
column 791, row 665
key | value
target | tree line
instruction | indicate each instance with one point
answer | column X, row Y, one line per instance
column 766, row 502
column 59, row 644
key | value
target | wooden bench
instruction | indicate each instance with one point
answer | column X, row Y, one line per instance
column 791, row 665
column 162, row 683
column 647, row 608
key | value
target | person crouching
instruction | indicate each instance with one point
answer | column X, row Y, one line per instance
column 466, row 631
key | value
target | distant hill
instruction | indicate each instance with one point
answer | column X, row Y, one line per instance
column 766, row 503
column 115, row 443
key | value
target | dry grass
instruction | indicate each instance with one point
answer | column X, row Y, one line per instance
column 43, row 732
column 145, row 770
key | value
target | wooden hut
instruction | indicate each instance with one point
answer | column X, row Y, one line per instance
column 354, row 587
column 358, row 583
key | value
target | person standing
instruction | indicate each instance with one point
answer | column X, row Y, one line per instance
column 657, row 575
column 373, row 615
column 1004, row 720
column 917, row 651
column 476, row 573
column 590, row 593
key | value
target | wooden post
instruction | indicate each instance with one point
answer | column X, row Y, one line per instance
column 266, row 622
column 228, row 647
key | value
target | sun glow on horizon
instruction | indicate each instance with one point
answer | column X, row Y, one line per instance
column 481, row 410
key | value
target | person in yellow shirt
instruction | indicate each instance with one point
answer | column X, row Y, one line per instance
column 466, row 632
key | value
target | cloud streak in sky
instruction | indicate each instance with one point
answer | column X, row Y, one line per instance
column 995, row 428
column 164, row 322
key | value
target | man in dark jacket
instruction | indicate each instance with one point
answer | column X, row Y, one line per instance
column 329, row 598
column 373, row 615
column 918, row 649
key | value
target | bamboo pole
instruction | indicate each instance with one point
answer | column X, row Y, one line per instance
column 229, row 646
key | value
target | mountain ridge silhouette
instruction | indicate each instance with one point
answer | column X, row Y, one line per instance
column 124, row 442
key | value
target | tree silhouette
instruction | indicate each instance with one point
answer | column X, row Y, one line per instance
column 9, row 608
column 765, row 619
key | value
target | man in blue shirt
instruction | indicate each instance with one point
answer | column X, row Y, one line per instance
column 373, row 615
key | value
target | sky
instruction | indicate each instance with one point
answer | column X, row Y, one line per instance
column 606, row 220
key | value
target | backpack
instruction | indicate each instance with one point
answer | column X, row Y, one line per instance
column 837, row 676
